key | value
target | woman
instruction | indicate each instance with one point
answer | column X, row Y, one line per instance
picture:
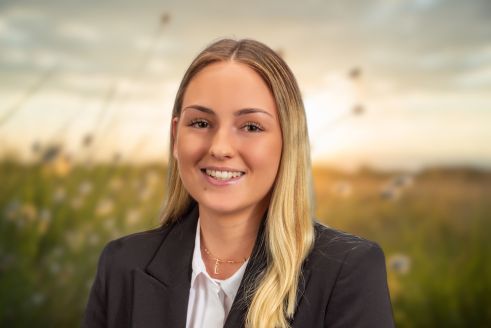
column 238, row 245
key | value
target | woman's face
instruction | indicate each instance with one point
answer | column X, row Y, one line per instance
column 228, row 139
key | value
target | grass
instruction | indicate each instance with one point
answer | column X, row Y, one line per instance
column 433, row 227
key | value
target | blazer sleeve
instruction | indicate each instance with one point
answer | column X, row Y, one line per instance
column 360, row 298
column 96, row 310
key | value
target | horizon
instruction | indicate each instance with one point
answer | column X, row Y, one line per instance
column 386, row 84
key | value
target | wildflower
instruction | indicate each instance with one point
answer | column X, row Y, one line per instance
column 109, row 224
column 145, row 194
column 133, row 216
column 28, row 212
column 54, row 268
column 395, row 187
column 59, row 194
column 390, row 193
column 152, row 178
column 358, row 109
column 37, row 298
column 85, row 188
column 12, row 209
column 61, row 166
column 116, row 184
column 50, row 153
column 45, row 214
column 36, row 147
column 104, row 207
column 44, row 220
column 399, row 263
column 343, row 188
column 403, row 181
column 87, row 140
column 77, row 202
column 165, row 18
column 6, row 261
column 74, row 239
column 117, row 157
column 93, row 239
column 57, row 252
column 355, row 73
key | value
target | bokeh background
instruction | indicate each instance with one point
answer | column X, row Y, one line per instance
column 397, row 94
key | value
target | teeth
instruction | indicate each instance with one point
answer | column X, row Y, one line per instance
column 223, row 175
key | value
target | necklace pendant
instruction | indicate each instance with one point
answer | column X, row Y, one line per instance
column 216, row 266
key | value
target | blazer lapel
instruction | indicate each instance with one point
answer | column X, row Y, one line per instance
column 252, row 275
column 161, row 292
column 253, row 272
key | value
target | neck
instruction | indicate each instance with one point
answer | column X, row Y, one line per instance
column 230, row 236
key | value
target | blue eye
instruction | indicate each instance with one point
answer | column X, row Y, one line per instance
column 199, row 124
column 252, row 127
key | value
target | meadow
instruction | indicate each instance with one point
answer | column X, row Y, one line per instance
column 56, row 217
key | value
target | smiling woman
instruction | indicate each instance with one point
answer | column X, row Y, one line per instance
column 238, row 245
column 227, row 152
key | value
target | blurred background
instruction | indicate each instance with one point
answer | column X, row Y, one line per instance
column 397, row 94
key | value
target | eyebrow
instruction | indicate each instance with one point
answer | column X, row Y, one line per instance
column 243, row 111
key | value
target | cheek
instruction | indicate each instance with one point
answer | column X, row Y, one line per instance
column 188, row 148
column 266, row 156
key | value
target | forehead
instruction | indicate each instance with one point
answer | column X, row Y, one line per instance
column 229, row 86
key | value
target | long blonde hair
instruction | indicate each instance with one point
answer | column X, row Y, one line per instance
column 289, row 232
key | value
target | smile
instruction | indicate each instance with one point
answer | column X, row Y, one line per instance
column 223, row 175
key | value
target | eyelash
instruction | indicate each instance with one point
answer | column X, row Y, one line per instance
column 195, row 123
column 198, row 121
column 255, row 125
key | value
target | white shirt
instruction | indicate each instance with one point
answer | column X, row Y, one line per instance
column 210, row 299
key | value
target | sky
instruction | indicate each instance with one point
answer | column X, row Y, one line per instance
column 110, row 69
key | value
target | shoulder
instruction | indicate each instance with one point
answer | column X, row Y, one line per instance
column 334, row 250
column 349, row 272
column 134, row 250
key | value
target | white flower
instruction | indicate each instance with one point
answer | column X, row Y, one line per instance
column 116, row 184
column 93, row 239
column 37, row 298
column 399, row 263
column 59, row 194
column 85, row 188
column 12, row 209
column 44, row 220
column 343, row 188
column 390, row 192
column 105, row 206
column 28, row 211
column 77, row 202
column 133, row 216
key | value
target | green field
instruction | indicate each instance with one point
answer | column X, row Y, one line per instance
column 433, row 227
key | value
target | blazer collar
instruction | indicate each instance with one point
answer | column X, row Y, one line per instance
column 172, row 262
column 161, row 292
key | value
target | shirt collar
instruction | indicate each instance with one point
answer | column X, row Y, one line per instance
column 230, row 285
column 197, row 264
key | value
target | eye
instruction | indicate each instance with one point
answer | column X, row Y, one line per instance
column 252, row 127
column 199, row 123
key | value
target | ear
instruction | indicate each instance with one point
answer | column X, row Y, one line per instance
column 175, row 121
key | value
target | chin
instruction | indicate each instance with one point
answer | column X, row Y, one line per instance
column 223, row 206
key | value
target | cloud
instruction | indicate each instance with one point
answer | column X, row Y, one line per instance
column 78, row 32
column 24, row 13
column 476, row 78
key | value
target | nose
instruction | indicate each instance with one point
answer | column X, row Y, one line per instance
column 221, row 146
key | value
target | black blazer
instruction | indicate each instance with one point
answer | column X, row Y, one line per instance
column 143, row 281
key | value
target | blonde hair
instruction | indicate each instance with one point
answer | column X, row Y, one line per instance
column 289, row 232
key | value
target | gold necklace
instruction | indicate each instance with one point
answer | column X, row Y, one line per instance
column 218, row 261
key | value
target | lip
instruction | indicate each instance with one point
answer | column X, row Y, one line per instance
column 221, row 183
column 220, row 168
